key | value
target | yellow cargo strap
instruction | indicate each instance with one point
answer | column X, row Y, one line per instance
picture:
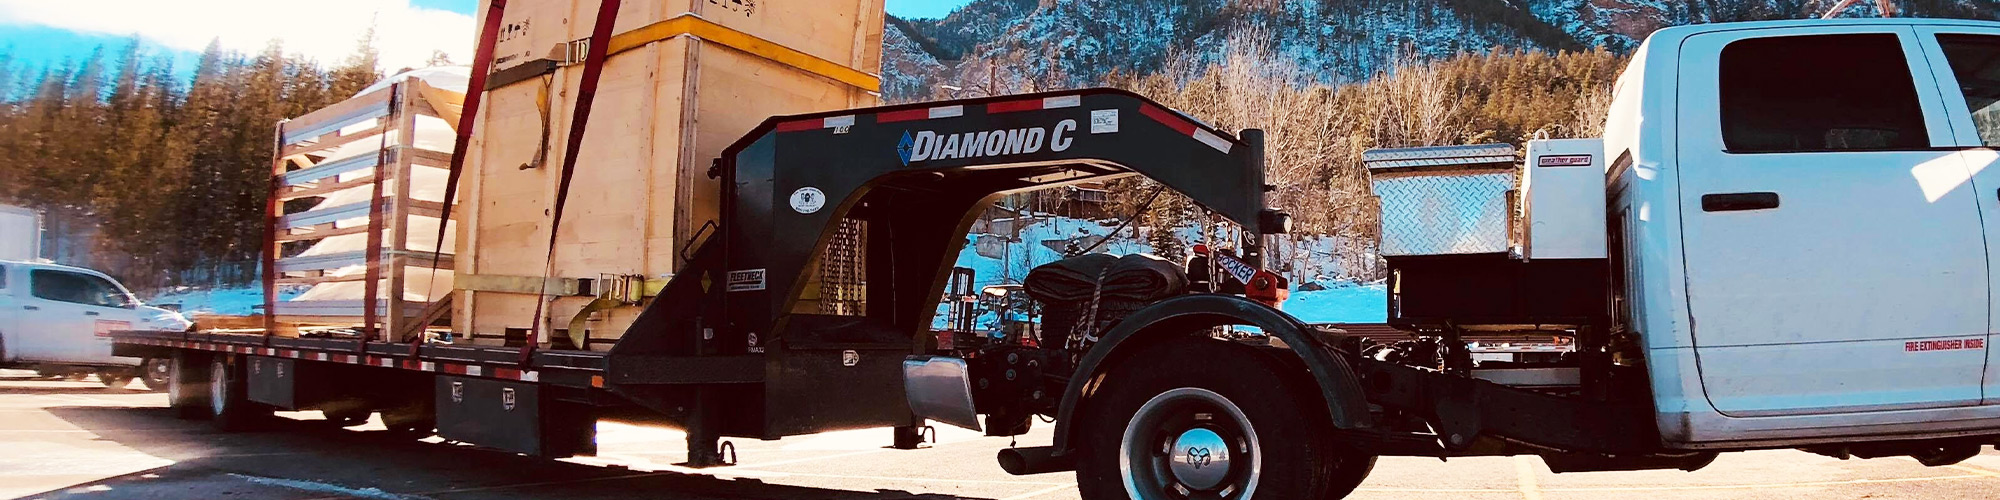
column 690, row 24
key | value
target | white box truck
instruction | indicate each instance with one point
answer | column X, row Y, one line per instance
column 20, row 233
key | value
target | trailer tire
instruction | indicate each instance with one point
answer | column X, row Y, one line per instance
column 155, row 373
column 230, row 408
column 115, row 378
column 187, row 387
column 1213, row 404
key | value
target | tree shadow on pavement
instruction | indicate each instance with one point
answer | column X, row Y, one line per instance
column 300, row 455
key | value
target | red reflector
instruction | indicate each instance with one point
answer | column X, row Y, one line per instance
column 1012, row 106
column 795, row 126
column 902, row 116
column 1167, row 118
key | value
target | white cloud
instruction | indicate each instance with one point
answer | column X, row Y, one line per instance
column 325, row 30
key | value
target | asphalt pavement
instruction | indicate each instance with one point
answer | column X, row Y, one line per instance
column 81, row 440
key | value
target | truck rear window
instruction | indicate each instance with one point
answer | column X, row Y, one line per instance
column 1976, row 61
column 1819, row 93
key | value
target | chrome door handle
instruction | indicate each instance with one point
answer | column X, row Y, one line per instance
column 31, row 308
column 90, row 313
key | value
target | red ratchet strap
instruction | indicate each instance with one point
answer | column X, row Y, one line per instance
column 482, row 61
column 593, row 67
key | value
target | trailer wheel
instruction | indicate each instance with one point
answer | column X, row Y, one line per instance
column 230, row 408
column 187, row 386
column 114, row 378
column 156, row 373
column 1201, row 418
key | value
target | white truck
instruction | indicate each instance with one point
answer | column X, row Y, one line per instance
column 57, row 320
column 1788, row 237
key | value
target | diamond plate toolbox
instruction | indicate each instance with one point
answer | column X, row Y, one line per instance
column 1445, row 200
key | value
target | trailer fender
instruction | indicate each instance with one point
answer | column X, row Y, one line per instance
column 1194, row 314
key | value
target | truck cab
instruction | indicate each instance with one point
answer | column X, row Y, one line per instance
column 58, row 319
column 1802, row 220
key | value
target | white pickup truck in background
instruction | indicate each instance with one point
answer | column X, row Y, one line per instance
column 56, row 320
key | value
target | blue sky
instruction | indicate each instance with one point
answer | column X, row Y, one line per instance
column 43, row 33
column 930, row 9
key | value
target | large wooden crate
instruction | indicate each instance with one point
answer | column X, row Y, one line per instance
column 684, row 80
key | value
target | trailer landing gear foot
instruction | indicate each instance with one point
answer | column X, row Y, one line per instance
column 712, row 455
column 912, row 437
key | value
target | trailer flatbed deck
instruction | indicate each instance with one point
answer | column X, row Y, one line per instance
column 564, row 368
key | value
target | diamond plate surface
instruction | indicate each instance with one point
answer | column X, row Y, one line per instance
column 1444, row 212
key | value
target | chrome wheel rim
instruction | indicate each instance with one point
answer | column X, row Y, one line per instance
column 159, row 370
column 218, row 386
column 1189, row 443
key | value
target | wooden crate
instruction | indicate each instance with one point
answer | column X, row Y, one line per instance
column 685, row 79
column 361, row 157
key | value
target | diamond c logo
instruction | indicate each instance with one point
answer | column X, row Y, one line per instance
column 903, row 147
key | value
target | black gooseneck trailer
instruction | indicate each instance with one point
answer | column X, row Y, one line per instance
column 722, row 350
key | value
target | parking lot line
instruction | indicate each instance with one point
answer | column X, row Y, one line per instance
column 1808, row 484
column 1524, row 478
column 1040, row 492
column 1976, row 470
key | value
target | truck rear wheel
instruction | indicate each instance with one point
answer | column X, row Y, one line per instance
column 230, row 408
column 187, row 386
column 1201, row 418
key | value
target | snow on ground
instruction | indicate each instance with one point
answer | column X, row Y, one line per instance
column 234, row 301
column 1342, row 302
column 1338, row 302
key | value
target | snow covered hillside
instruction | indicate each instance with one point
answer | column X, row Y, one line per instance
column 1077, row 42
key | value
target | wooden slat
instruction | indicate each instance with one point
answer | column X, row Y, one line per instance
column 358, row 257
column 425, row 208
column 429, row 158
column 298, row 310
column 315, row 217
column 314, row 280
column 334, row 142
column 333, row 168
column 430, row 314
column 315, row 124
column 318, row 234
column 319, row 216
column 323, row 188
column 444, row 104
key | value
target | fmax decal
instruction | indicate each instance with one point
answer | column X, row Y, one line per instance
column 926, row 145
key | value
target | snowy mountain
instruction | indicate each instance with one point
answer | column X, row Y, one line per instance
column 1042, row 43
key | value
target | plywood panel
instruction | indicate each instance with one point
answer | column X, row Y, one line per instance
column 663, row 113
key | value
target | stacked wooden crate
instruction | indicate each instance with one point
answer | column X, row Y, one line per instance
column 683, row 80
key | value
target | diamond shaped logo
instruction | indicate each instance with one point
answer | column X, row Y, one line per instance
column 903, row 147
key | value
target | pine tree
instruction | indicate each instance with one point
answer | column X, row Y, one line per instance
column 360, row 70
